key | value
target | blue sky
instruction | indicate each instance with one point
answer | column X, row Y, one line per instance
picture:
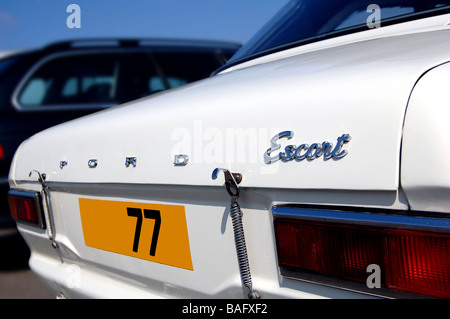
column 34, row 23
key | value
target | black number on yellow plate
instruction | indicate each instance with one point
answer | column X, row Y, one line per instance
column 148, row 214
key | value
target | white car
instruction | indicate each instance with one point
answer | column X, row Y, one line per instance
column 314, row 164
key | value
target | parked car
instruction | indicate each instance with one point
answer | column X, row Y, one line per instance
column 312, row 165
column 66, row 80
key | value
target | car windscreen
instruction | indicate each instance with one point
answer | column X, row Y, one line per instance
column 306, row 21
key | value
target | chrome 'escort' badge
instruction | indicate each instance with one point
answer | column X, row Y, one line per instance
column 305, row 151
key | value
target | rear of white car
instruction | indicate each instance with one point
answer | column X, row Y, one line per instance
column 340, row 180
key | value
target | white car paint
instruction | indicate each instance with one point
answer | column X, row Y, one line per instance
column 425, row 176
column 360, row 86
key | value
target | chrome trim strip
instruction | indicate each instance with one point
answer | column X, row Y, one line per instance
column 21, row 193
column 387, row 219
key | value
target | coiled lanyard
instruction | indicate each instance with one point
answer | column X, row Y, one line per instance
column 46, row 206
column 238, row 229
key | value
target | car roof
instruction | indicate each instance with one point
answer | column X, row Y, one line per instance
column 7, row 53
column 96, row 43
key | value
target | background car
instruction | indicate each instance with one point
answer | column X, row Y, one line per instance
column 69, row 79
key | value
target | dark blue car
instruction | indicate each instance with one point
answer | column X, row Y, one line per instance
column 66, row 80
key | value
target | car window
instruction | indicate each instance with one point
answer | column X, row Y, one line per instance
column 153, row 72
column 359, row 16
column 72, row 80
column 141, row 72
column 156, row 83
column 179, row 68
column 306, row 21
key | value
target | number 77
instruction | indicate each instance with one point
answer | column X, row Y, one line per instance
column 148, row 214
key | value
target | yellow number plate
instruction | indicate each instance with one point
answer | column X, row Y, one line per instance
column 147, row 231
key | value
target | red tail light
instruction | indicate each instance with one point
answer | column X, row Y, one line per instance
column 2, row 152
column 420, row 262
column 25, row 207
column 411, row 261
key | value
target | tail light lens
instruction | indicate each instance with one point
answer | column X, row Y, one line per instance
column 26, row 207
column 419, row 262
column 338, row 251
column 2, row 152
column 411, row 261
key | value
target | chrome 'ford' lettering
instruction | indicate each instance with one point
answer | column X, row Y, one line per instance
column 305, row 151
